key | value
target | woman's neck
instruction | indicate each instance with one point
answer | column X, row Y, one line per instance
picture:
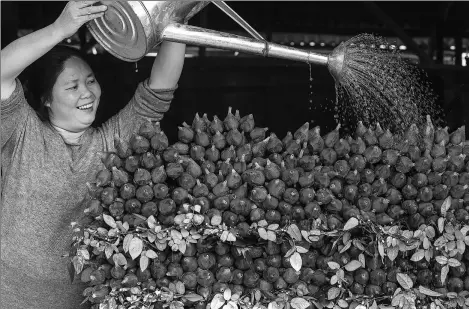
column 69, row 136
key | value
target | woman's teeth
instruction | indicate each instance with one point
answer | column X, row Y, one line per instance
column 87, row 106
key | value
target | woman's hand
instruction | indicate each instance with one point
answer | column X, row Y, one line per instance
column 75, row 14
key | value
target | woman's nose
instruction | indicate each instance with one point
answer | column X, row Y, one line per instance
column 87, row 93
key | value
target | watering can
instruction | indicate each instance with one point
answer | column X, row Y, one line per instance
column 131, row 29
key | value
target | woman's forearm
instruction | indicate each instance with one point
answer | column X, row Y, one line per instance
column 19, row 54
column 168, row 65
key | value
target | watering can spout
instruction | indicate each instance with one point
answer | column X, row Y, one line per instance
column 210, row 38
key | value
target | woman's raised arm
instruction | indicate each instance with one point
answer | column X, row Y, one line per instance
column 167, row 66
column 19, row 54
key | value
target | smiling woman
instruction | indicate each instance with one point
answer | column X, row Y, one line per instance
column 75, row 97
column 63, row 89
column 50, row 151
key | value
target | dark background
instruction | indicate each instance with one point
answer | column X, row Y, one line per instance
column 277, row 91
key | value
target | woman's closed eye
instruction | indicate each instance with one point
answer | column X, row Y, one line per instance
column 75, row 87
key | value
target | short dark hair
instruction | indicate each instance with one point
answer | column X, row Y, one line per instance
column 39, row 78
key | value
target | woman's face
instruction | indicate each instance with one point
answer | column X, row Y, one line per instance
column 75, row 97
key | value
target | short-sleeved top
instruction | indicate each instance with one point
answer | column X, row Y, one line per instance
column 43, row 183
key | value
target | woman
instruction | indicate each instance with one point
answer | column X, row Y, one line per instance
column 49, row 155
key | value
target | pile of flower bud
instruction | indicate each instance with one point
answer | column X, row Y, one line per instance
column 232, row 216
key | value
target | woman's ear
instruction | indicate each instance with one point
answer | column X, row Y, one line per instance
column 46, row 103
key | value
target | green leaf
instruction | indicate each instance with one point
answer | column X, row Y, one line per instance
column 346, row 247
column 161, row 246
column 296, row 261
column 353, row 265
column 341, row 274
column 135, row 247
column 426, row 243
column 464, row 230
column 441, row 260
column 184, row 233
column 392, row 253
column 180, row 288
column 397, row 299
column 290, row 252
column 405, row 281
column 453, row 262
column 299, row 303
column 342, row 303
column 193, row 297
column 224, row 236
column 300, row 249
column 444, row 273
column 227, row 294
column 262, row 233
column 108, row 251
column 112, row 304
column 151, row 254
column 217, row 302
column 333, row 265
column 346, row 237
column 78, row 263
column 428, row 255
column 351, row 223
column 176, row 235
column 151, row 221
column 231, row 237
column 271, row 236
column 333, row 293
column 127, row 240
column 182, row 246
column 294, row 232
column 257, row 295
column 381, row 249
column 84, row 253
column 430, row 232
column 216, row 220
column 445, row 206
column 143, row 262
column 361, row 259
column 273, row 227
column 273, row 305
column 109, row 221
column 441, row 224
column 417, row 256
column 461, row 246
column 358, row 244
column 429, row 292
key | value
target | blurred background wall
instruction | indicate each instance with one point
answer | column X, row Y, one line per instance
column 432, row 35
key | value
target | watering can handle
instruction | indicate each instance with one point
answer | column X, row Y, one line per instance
column 231, row 13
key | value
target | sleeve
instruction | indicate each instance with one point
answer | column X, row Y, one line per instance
column 14, row 113
column 146, row 104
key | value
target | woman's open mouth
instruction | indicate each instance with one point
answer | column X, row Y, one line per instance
column 86, row 106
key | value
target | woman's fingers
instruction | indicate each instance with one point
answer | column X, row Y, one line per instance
column 92, row 10
column 94, row 16
column 82, row 4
